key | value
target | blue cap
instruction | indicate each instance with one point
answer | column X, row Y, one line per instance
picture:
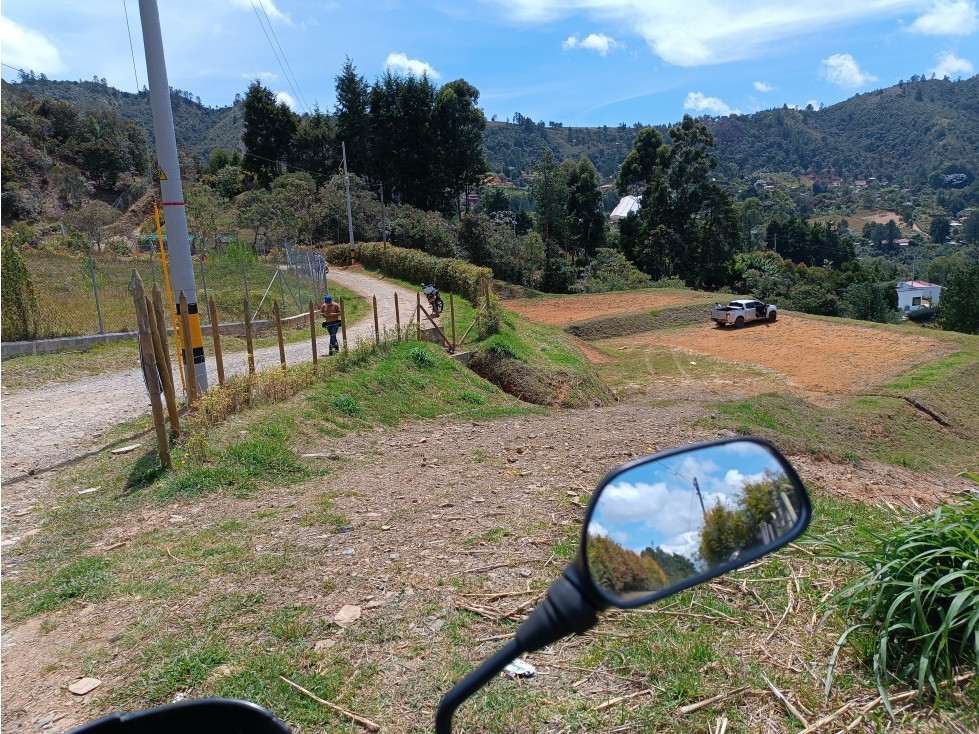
column 328, row 298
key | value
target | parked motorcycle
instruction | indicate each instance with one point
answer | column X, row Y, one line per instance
column 683, row 503
column 434, row 299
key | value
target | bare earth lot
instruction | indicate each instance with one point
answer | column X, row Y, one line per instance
column 565, row 309
column 817, row 355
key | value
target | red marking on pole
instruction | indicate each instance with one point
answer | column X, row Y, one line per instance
column 173, row 203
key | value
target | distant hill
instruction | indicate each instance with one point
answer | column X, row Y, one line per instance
column 199, row 128
column 905, row 131
column 908, row 130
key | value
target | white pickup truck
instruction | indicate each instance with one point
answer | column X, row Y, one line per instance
column 737, row 313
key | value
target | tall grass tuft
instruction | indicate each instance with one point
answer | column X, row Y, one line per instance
column 919, row 597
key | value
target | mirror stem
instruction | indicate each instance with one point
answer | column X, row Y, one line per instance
column 472, row 683
column 564, row 611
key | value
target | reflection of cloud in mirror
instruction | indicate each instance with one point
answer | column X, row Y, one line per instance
column 656, row 504
column 684, row 544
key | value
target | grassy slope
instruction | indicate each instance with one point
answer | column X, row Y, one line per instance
column 536, row 362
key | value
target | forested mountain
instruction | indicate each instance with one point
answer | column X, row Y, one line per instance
column 902, row 132
column 905, row 131
column 199, row 128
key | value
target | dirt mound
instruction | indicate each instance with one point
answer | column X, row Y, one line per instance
column 563, row 310
column 814, row 354
column 626, row 324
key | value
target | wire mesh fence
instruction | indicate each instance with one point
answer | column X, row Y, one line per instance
column 79, row 295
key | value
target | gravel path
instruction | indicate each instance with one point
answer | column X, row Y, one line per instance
column 48, row 425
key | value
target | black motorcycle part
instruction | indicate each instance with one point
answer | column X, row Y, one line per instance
column 199, row 716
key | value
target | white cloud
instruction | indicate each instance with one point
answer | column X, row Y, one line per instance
column 273, row 12
column 948, row 18
column 951, row 66
column 401, row 63
column 815, row 103
column 763, row 86
column 701, row 103
column 698, row 32
column 593, row 42
column 25, row 48
column 287, row 98
column 843, row 70
column 265, row 76
column 684, row 544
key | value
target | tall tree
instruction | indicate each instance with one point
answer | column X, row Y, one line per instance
column 460, row 126
column 268, row 130
column 313, row 148
column 957, row 309
column 586, row 215
column 352, row 115
column 549, row 187
column 404, row 142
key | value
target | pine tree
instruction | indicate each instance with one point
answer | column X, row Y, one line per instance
column 353, row 118
column 267, row 134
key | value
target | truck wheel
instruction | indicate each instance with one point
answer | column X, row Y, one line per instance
column 739, row 322
column 772, row 316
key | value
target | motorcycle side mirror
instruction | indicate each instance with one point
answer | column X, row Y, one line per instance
column 656, row 526
column 662, row 524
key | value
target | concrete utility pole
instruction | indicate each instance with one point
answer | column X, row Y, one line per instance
column 350, row 216
column 181, row 264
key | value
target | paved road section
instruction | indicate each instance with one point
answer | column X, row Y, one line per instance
column 51, row 424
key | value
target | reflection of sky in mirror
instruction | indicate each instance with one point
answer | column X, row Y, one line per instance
column 656, row 505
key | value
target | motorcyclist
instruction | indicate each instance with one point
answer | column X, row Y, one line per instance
column 331, row 315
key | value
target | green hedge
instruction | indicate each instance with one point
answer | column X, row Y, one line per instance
column 414, row 266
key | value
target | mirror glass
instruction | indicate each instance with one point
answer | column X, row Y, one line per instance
column 693, row 513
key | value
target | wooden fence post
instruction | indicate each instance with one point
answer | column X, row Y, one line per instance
column 312, row 332
column 452, row 316
column 188, row 352
column 166, row 376
column 278, row 331
column 397, row 315
column 150, row 369
column 248, row 337
column 216, row 336
column 343, row 325
column 377, row 330
column 418, row 316
column 161, row 322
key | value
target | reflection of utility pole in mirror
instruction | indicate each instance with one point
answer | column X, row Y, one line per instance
column 644, row 533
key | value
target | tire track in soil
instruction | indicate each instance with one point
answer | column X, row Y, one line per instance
column 55, row 423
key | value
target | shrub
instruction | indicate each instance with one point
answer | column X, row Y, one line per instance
column 448, row 274
column 920, row 596
column 421, row 357
column 20, row 307
column 346, row 404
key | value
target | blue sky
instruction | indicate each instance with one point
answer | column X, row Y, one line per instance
column 655, row 504
column 580, row 62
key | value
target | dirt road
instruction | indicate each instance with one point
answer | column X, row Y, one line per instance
column 47, row 425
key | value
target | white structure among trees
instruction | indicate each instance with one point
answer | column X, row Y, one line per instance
column 915, row 294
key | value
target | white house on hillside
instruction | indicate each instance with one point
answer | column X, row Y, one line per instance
column 915, row 294
column 627, row 205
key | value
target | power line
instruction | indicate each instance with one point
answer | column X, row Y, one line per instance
column 282, row 51
column 132, row 53
column 275, row 53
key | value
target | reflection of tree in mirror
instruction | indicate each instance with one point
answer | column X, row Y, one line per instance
column 762, row 513
column 676, row 567
column 620, row 570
